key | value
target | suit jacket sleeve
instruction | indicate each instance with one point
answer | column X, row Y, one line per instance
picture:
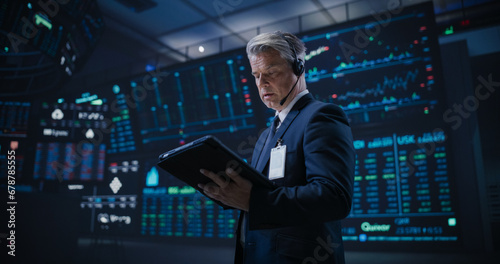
column 329, row 167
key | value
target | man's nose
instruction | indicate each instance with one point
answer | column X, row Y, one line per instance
column 262, row 81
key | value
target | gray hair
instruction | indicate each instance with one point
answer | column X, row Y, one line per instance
column 266, row 41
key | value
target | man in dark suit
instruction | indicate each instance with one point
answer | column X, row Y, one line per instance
column 309, row 155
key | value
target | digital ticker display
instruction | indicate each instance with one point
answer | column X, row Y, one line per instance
column 172, row 209
column 378, row 69
column 403, row 192
column 403, row 189
column 122, row 136
column 69, row 161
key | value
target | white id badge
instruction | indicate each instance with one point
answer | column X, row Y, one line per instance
column 277, row 162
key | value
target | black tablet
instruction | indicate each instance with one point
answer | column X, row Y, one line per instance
column 207, row 153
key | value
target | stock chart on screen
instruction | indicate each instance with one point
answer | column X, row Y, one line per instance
column 209, row 97
column 378, row 69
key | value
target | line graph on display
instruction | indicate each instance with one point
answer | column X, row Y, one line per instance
column 379, row 91
column 372, row 82
column 372, row 68
column 390, row 60
column 342, row 68
column 203, row 99
column 394, row 83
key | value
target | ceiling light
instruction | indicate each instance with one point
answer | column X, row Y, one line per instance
column 201, row 49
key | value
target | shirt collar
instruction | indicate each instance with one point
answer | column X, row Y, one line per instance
column 284, row 112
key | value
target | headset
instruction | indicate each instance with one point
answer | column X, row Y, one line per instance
column 297, row 64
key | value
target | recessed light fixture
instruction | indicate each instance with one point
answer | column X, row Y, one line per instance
column 201, row 49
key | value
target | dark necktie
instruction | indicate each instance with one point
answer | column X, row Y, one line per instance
column 275, row 124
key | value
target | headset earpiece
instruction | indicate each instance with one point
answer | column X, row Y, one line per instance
column 297, row 64
column 298, row 67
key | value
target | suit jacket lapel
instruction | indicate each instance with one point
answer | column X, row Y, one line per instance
column 264, row 154
column 258, row 147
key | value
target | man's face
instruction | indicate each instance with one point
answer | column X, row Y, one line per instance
column 274, row 78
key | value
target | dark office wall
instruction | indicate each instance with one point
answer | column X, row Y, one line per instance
column 488, row 118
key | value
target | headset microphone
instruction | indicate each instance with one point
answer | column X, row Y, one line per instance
column 286, row 97
column 297, row 65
